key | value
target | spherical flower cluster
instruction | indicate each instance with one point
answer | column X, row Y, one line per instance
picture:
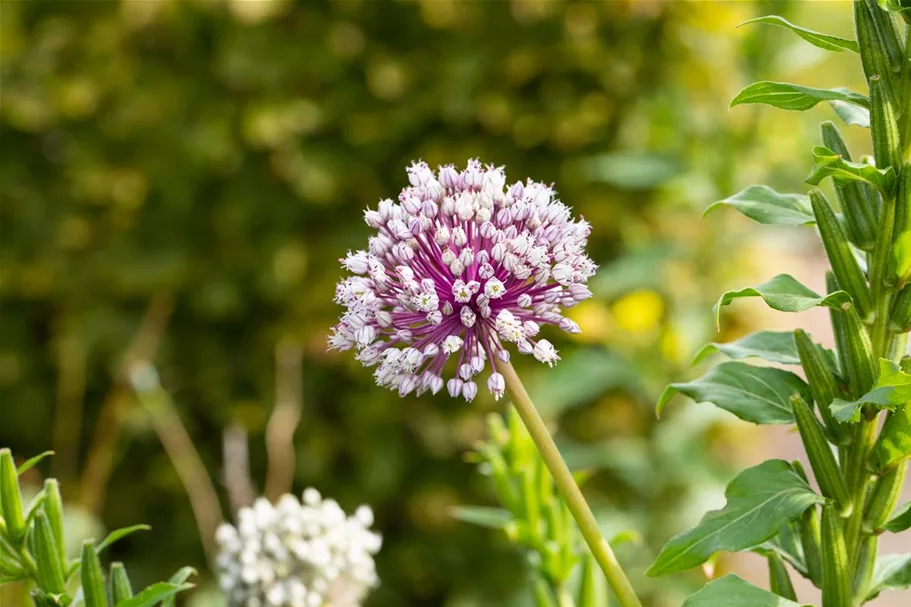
column 298, row 554
column 461, row 265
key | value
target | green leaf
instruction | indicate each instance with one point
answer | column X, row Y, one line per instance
column 827, row 163
column 787, row 96
column 892, row 389
column 894, row 442
column 892, row 572
column 118, row 535
column 785, row 294
column 901, row 519
column 824, row 41
column 851, row 114
column 763, row 204
column 760, row 501
column 492, row 518
column 31, row 463
column 180, row 577
column 755, row 394
column 154, row 594
column 773, row 346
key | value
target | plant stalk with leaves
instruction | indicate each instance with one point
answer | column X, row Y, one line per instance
column 33, row 551
column 852, row 411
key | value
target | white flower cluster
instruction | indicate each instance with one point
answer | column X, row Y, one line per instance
column 298, row 554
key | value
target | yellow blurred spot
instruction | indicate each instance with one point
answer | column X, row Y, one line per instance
column 593, row 318
column 639, row 311
column 671, row 345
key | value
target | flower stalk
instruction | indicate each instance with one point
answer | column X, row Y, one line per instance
column 570, row 491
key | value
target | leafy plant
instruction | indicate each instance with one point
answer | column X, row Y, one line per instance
column 33, row 551
column 830, row 536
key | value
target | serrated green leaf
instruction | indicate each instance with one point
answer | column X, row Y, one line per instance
column 31, row 463
column 760, row 501
column 787, row 96
column 773, row 346
column 894, row 442
column 154, row 594
column 892, row 389
column 760, row 395
column 892, row 572
column 119, row 534
column 824, row 41
column 785, row 294
column 483, row 516
column 901, row 519
column 851, row 114
column 827, row 163
column 764, row 205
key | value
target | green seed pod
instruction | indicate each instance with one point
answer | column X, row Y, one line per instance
column 838, row 324
column 879, row 47
column 884, row 499
column 884, row 127
column 779, row 580
column 859, row 366
column 825, row 468
column 92, row 577
column 121, row 589
column 900, row 321
column 47, row 556
column 9, row 563
column 11, row 499
column 592, row 589
column 844, row 264
column 836, row 579
column 857, row 203
column 822, row 384
column 863, row 570
column 903, row 197
column 53, row 507
column 809, row 541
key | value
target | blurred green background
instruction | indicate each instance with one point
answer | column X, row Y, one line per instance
column 178, row 179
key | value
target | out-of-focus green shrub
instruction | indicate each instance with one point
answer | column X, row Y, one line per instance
column 189, row 171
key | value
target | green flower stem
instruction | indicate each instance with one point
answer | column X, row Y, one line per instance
column 570, row 491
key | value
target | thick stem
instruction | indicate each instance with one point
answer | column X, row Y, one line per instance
column 570, row 491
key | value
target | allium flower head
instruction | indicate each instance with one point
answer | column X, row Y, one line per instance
column 460, row 266
column 297, row 554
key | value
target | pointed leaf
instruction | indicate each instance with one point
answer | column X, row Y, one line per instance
column 892, row 572
column 119, row 534
column 761, row 395
column 154, row 594
column 789, row 96
column 901, row 519
column 734, row 591
column 785, row 294
column 824, row 41
column 827, row 163
column 31, row 463
column 180, row 577
column 892, row 389
column 773, row 346
column 492, row 518
column 763, row 204
column 760, row 501
column 851, row 114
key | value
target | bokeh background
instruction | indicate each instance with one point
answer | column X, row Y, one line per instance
column 178, row 179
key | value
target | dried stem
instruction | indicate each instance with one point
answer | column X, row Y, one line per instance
column 100, row 459
column 237, row 468
column 285, row 419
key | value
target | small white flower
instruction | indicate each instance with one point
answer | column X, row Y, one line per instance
column 452, row 344
column 497, row 385
column 468, row 317
column 494, row 289
column 545, row 352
